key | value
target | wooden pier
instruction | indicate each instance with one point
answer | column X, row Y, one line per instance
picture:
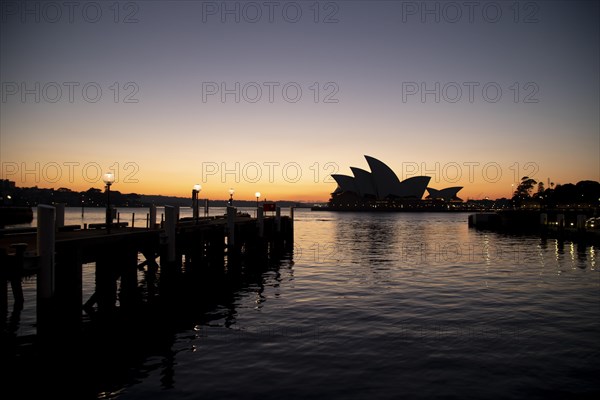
column 56, row 255
column 570, row 223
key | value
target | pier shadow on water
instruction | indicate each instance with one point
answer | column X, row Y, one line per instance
column 112, row 350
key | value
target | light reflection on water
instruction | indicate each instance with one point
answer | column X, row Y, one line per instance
column 385, row 305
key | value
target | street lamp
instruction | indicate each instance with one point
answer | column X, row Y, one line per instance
column 257, row 194
column 108, row 179
column 231, row 191
column 195, row 191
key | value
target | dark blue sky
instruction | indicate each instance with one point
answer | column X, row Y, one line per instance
column 361, row 69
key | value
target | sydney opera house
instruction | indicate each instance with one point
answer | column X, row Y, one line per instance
column 381, row 188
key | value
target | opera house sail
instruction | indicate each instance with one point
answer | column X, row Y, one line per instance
column 380, row 188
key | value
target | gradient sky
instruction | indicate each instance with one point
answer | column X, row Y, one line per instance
column 366, row 57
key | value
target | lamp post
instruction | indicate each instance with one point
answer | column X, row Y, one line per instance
column 257, row 194
column 231, row 191
column 108, row 179
column 195, row 192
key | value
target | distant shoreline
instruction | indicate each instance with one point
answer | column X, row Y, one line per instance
column 401, row 209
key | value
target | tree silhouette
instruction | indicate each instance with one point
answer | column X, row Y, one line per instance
column 541, row 188
column 524, row 188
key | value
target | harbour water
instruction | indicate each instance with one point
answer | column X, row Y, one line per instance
column 382, row 305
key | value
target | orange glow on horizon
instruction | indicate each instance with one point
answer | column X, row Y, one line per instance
column 303, row 179
column 301, row 191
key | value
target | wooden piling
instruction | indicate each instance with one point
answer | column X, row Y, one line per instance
column 231, row 212
column 560, row 221
column 152, row 216
column 46, row 231
column 170, row 231
column 60, row 215
column 581, row 222
column 260, row 222
column 195, row 206
column 45, row 249
column 278, row 218
column 291, row 231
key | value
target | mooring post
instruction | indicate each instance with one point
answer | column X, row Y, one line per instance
column 60, row 215
column 133, row 220
column 278, row 218
column 45, row 278
column 260, row 222
column 581, row 222
column 560, row 221
column 45, row 249
column 152, row 216
column 231, row 211
column 290, row 234
column 170, row 231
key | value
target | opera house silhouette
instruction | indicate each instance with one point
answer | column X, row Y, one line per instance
column 381, row 188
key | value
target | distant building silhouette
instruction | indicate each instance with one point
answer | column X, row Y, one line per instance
column 382, row 184
column 447, row 194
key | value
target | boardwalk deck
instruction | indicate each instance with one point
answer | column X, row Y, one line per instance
column 202, row 243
